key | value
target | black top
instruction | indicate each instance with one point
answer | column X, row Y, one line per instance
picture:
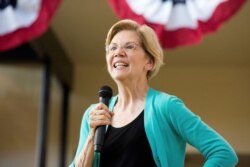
column 127, row 146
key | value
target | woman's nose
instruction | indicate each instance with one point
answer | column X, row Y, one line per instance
column 119, row 52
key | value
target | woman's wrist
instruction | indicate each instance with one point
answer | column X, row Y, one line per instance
column 91, row 134
column 80, row 161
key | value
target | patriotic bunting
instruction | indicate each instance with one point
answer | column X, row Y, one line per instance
column 24, row 20
column 178, row 22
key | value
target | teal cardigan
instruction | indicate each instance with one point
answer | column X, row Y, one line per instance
column 169, row 125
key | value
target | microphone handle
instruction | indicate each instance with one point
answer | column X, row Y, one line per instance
column 100, row 130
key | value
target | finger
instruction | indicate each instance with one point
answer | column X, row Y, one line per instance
column 98, row 122
column 101, row 115
column 102, row 106
column 101, row 109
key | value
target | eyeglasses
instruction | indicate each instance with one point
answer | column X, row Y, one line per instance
column 128, row 47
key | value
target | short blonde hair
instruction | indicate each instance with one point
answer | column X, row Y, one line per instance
column 149, row 41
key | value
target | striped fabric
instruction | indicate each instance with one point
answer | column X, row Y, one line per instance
column 24, row 20
column 178, row 22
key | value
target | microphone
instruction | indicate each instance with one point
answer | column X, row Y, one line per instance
column 105, row 93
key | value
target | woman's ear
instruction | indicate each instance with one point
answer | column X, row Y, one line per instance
column 149, row 65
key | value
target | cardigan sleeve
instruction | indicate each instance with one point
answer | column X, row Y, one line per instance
column 216, row 150
column 84, row 131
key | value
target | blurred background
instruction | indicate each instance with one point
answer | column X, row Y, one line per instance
column 212, row 77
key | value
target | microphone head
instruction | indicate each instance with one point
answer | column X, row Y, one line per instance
column 105, row 92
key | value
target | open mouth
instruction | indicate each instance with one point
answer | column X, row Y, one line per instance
column 120, row 64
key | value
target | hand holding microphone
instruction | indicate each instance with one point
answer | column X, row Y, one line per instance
column 98, row 119
column 100, row 116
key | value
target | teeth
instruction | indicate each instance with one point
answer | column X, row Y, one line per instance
column 120, row 64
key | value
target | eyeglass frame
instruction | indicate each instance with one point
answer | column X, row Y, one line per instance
column 125, row 47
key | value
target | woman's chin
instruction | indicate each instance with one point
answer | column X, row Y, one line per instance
column 120, row 78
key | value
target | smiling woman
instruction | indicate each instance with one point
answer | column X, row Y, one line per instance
column 143, row 37
column 145, row 127
column 129, row 63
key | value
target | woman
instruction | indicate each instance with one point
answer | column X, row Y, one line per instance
column 146, row 127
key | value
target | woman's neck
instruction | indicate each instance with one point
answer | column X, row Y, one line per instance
column 130, row 96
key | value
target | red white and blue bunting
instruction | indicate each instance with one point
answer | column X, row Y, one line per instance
column 24, row 20
column 178, row 22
